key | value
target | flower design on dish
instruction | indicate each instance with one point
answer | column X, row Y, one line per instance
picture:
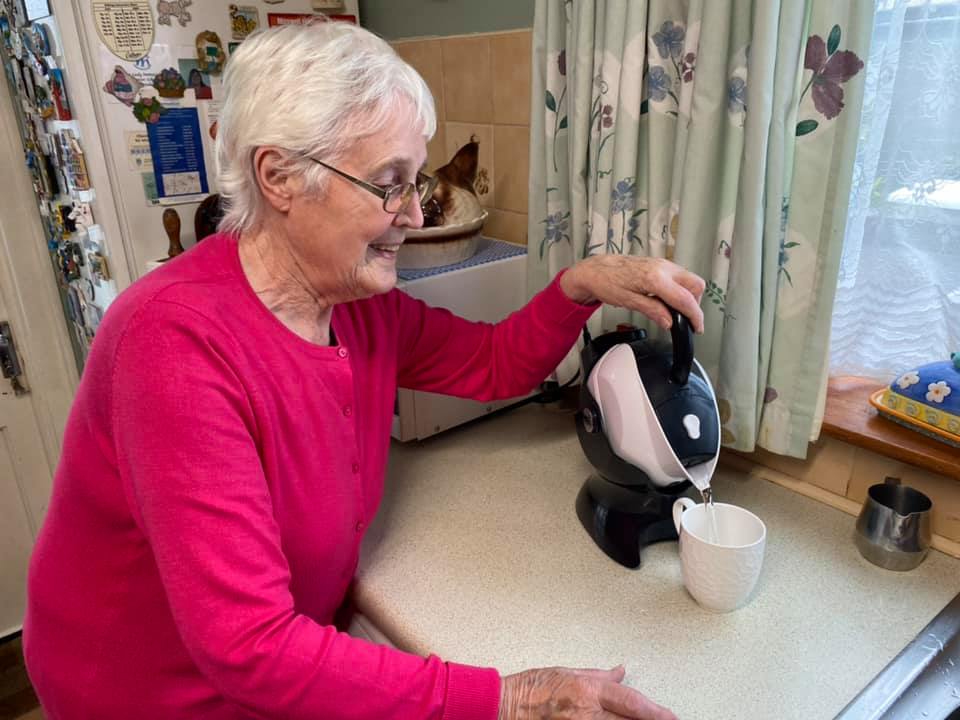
column 938, row 391
column 908, row 379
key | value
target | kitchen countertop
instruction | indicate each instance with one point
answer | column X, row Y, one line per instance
column 477, row 555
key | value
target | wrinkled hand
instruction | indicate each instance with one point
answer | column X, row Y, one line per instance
column 565, row 694
column 632, row 282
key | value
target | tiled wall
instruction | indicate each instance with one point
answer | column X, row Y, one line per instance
column 847, row 472
column 481, row 86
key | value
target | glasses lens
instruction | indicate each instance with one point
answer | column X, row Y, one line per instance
column 398, row 197
column 426, row 184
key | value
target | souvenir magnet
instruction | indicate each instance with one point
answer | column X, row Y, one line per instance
column 81, row 216
column 123, row 86
column 148, row 110
column 59, row 94
column 244, row 19
column 169, row 83
column 210, row 55
column 41, row 39
column 98, row 266
column 177, row 9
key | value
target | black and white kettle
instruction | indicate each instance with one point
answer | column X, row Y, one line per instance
column 649, row 423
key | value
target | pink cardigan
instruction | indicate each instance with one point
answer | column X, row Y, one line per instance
column 217, row 476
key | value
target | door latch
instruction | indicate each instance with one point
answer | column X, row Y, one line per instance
column 10, row 365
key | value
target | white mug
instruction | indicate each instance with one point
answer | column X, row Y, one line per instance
column 719, row 572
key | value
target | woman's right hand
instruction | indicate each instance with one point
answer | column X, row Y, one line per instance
column 566, row 694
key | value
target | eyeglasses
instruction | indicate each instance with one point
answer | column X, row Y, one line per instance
column 396, row 198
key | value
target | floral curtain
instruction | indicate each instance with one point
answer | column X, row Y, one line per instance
column 721, row 135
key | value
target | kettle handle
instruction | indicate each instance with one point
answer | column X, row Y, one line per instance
column 681, row 333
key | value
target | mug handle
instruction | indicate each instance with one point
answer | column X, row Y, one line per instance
column 679, row 507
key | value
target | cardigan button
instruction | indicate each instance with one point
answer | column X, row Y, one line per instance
column 342, row 352
column 347, row 411
column 356, row 468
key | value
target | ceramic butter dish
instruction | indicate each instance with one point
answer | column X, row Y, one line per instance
column 926, row 399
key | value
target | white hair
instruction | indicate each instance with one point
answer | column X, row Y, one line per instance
column 313, row 90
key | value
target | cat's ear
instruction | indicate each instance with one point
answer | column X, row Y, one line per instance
column 462, row 169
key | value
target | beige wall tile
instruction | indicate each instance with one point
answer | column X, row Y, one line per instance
column 511, row 161
column 437, row 149
column 506, row 225
column 427, row 58
column 871, row 468
column 467, row 86
column 458, row 135
column 510, row 55
column 829, row 464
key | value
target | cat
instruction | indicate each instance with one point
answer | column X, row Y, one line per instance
column 454, row 200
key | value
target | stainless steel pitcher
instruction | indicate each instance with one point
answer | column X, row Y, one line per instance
column 893, row 529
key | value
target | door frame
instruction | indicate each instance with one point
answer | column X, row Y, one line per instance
column 30, row 292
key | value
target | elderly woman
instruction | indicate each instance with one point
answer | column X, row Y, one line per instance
column 227, row 446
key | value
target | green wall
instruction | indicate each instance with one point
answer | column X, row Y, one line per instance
column 395, row 19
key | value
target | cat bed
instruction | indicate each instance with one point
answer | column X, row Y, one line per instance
column 926, row 399
column 443, row 245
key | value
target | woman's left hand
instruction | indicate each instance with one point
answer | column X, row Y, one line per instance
column 637, row 283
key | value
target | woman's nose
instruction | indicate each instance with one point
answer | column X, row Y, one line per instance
column 411, row 216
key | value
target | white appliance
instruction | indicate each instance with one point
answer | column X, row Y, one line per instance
column 484, row 292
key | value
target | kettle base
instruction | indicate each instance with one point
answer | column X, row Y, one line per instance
column 623, row 520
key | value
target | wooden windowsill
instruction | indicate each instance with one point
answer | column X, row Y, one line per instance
column 850, row 417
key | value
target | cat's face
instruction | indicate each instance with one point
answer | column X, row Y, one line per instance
column 454, row 200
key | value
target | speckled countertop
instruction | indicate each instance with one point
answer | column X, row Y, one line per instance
column 477, row 555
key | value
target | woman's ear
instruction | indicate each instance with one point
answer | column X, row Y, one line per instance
column 273, row 177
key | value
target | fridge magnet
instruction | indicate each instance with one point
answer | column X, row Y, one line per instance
column 177, row 150
column 125, row 27
column 325, row 5
column 274, row 19
column 210, row 55
column 44, row 103
column 81, row 216
column 196, row 80
column 150, row 193
column 59, row 94
column 177, row 9
column 244, row 19
column 148, row 110
column 40, row 40
column 169, row 83
column 138, row 151
column 63, row 220
column 16, row 45
column 74, row 161
column 98, row 267
column 36, row 9
column 123, row 86
column 5, row 32
column 19, row 13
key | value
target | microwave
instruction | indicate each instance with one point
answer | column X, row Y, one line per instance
column 486, row 287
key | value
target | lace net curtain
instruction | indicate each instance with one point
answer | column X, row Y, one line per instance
column 898, row 297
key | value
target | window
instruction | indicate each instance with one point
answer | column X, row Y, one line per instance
column 898, row 295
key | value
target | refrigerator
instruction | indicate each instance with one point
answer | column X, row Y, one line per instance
column 115, row 101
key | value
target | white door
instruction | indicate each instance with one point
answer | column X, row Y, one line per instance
column 31, row 423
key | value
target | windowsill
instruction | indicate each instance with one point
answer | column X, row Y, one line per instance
column 850, row 417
